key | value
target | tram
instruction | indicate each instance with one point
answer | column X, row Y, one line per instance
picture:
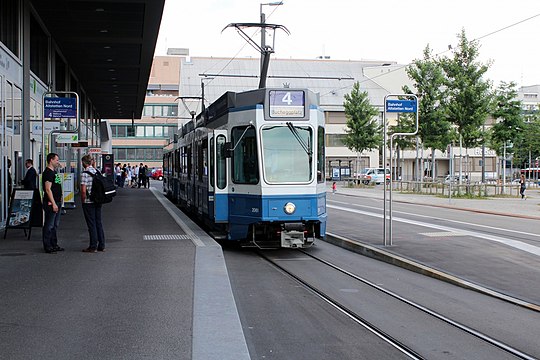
column 251, row 166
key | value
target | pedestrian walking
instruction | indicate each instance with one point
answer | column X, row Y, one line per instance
column 52, row 203
column 92, row 211
column 334, row 188
column 30, row 178
column 522, row 187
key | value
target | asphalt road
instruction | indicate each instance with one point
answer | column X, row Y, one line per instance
column 498, row 252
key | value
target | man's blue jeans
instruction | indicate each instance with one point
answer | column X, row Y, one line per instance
column 52, row 219
column 92, row 215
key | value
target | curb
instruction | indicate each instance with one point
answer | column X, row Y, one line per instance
column 397, row 260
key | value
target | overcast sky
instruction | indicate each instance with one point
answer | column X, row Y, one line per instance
column 364, row 30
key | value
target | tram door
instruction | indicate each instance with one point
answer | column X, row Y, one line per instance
column 211, row 175
column 221, row 188
column 5, row 145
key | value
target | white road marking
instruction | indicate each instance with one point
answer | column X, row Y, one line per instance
column 512, row 243
column 448, row 220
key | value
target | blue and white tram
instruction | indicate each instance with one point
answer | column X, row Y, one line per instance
column 252, row 167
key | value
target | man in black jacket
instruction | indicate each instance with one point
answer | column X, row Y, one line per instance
column 30, row 178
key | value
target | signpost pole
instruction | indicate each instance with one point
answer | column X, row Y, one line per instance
column 397, row 106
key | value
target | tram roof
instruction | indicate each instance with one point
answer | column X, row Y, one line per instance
column 110, row 46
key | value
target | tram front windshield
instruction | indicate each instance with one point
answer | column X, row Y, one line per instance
column 287, row 154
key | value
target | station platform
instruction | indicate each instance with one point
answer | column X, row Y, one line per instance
column 159, row 291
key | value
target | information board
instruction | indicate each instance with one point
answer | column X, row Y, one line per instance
column 401, row 106
column 24, row 211
column 60, row 108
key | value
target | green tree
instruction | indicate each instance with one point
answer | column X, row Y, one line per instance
column 527, row 146
column 507, row 110
column 468, row 99
column 435, row 129
column 363, row 130
column 406, row 124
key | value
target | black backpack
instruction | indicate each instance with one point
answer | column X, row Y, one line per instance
column 103, row 188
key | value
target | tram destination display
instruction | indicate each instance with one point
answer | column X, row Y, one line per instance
column 287, row 104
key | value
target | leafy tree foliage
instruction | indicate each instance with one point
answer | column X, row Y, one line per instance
column 507, row 109
column 528, row 144
column 468, row 97
column 363, row 131
column 435, row 129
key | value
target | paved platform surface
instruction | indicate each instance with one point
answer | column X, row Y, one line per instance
column 159, row 291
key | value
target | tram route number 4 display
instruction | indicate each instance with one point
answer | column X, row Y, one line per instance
column 24, row 211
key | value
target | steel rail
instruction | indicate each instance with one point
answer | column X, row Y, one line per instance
column 349, row 313
column 465, row 328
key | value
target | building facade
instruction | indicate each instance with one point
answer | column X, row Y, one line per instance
column 142, row 140
column 98, row 53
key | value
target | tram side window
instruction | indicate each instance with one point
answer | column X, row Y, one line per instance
column 320, row 155
column 212, row 162
column 221, row 162
column 189, row 161
column 244, row 157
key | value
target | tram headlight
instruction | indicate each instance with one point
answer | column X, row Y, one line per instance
column 289, row 208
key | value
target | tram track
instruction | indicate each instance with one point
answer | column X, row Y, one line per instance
column 349, row 313
column 406, row 350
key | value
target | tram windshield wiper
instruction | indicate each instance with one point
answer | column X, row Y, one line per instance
column 298, row 138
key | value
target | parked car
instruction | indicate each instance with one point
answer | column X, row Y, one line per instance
column 448, row 179
column 374, row 176
column 157, row 174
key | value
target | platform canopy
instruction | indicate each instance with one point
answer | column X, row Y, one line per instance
column 109, row 45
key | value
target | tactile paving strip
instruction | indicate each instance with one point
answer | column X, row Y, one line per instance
column 166, row 237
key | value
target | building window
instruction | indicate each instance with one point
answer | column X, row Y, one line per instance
column 9, row 25
column 39, row 51
column 139, row 131
column 147, row 110
column 133, row 154
column 335, row 140
column 158, row 131
column 149, row 131
column 121, row 131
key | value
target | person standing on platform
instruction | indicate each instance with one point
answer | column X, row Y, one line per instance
column 92, row 211
column 148, row 176
column 52, row 203
column 10, row 181
column 522, row 187
column 142, row 175
column 30, row 178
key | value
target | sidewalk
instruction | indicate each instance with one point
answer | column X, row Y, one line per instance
column 507, row 206
column 160, row 290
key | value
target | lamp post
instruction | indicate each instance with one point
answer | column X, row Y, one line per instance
column 263, row 21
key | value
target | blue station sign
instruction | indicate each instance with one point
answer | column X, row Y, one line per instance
column 401, row 106
column 60, row 108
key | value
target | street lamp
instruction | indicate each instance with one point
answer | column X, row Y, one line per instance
column 263, row 21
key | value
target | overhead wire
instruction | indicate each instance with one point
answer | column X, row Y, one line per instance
column 438, row 54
